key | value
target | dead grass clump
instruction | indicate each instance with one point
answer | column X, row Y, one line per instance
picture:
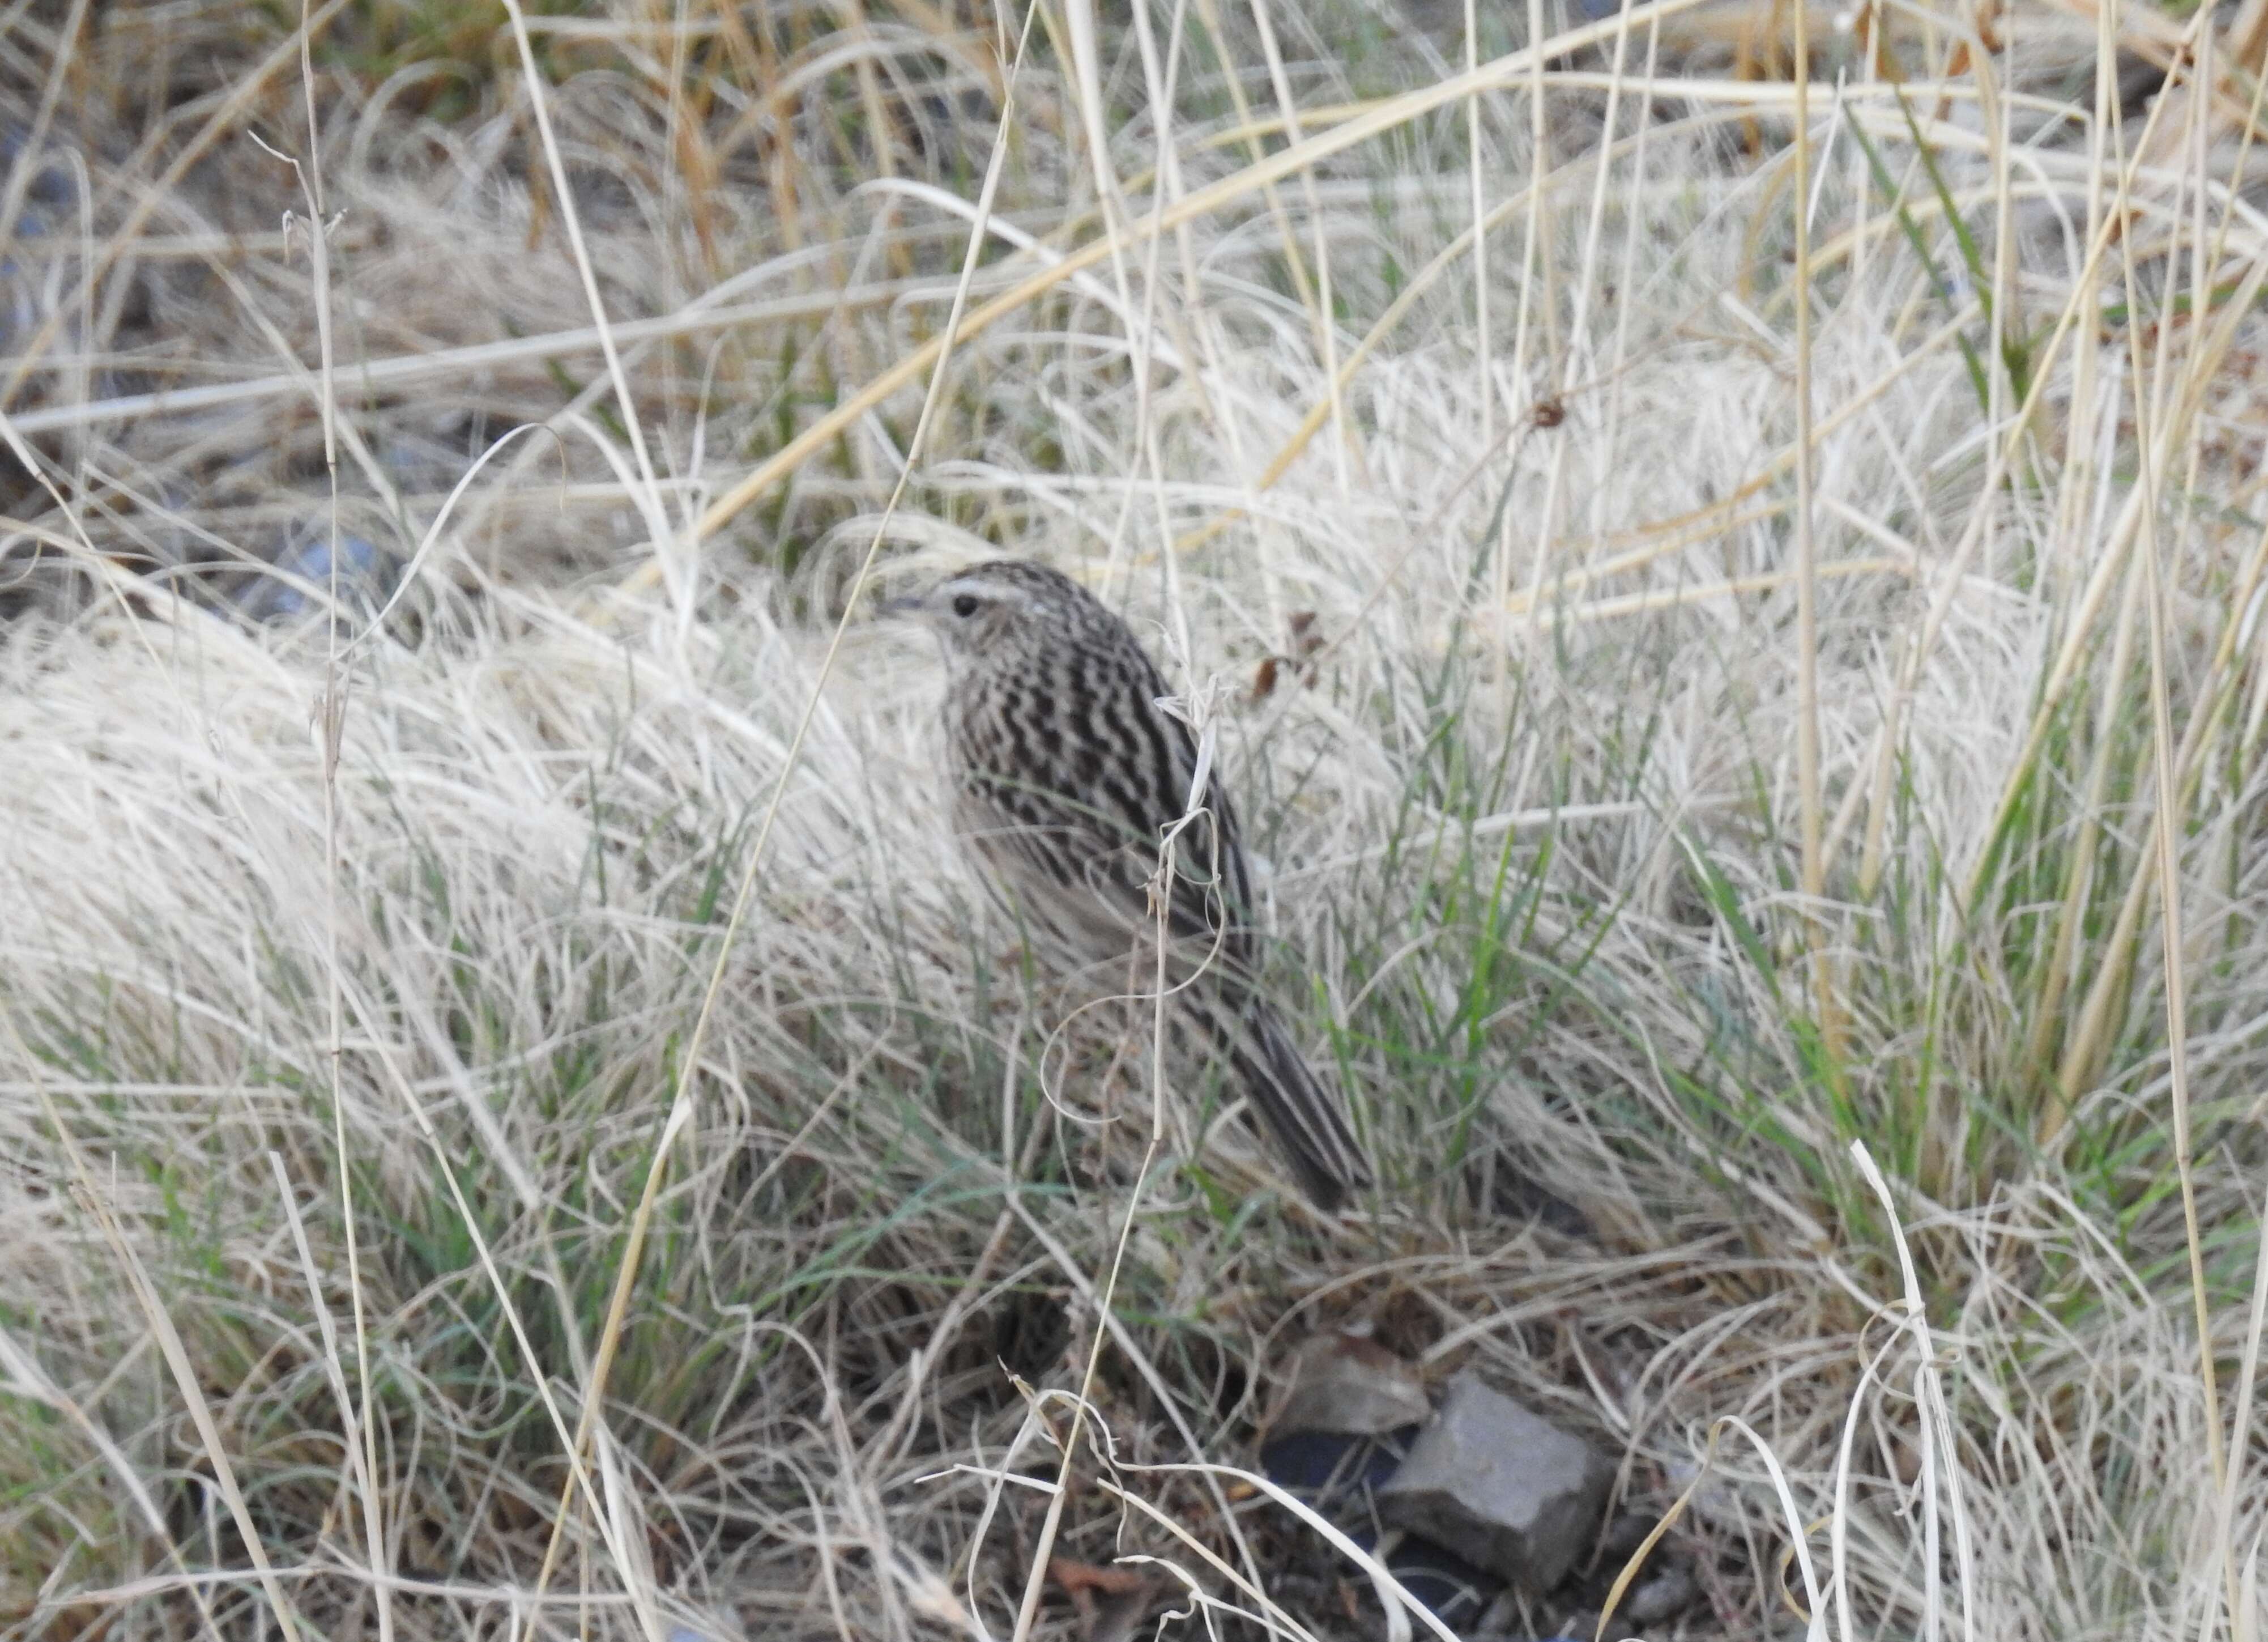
column 515, row 1117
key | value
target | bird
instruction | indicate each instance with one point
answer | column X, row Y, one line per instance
column 1068, row 775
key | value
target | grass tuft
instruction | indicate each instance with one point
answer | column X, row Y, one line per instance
column 1789, row 915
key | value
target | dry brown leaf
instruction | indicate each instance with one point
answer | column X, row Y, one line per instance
column 1343, row 1382
column 1110, row 1601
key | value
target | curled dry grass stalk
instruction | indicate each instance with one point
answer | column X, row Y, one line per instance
column 1828, row 867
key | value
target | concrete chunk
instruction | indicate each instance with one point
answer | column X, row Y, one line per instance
column 1504, row 1489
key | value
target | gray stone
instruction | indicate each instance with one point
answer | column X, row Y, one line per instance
column 1624, row 1535
column 1660, row 1597
column 1502, row 1487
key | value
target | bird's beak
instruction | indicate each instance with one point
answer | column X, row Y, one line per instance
column 898, row 608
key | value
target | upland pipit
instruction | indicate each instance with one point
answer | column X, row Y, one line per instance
column 1069, row 775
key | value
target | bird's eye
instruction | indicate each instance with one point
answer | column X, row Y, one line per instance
column 965, row 604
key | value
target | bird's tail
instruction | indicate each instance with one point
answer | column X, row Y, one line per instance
column 1308, row 1121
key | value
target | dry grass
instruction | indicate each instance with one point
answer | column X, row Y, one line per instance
column 566, row 982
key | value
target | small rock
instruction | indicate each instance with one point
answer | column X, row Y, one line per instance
column 1328, row 1465
column 1502, row 1488
column 1710, row 1500
column 1342, row 1382
column 1625, row 1534
column 1662, row 1596
column 366, row 577
column 32, row 287
column 1456, row 1592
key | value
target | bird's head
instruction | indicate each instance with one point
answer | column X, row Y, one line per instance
column 999, row 607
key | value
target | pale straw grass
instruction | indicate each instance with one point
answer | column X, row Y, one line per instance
column 518, row 1121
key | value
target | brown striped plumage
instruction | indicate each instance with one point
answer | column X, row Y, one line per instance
column 1067, row 775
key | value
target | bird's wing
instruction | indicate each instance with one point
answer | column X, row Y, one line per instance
column 1208, row 895
column 1084, row 869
